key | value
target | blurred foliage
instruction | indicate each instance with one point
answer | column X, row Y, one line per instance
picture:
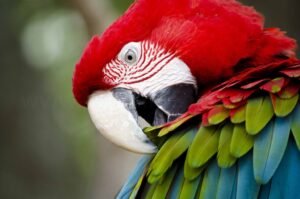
column 48, row 145
column 121, row 5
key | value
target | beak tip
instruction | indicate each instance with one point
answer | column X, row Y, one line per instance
column 117, row 124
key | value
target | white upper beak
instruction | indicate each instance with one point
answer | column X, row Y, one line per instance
column 117, row 124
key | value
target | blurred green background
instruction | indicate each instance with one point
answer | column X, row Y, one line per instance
column 49, row 149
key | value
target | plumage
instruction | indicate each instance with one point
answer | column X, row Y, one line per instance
column 128, row 187
column 283, row 107
column 227, row 188
column 241, row 141
column 162, row 188
column 285, row 182
column 217, row 115
column 259, row 112
column 210, row 181
column 289, row 91
column 204, row 146
column 238, row 115
column 247, row 187
column 265, row 192
column 189, row 188
column 296, row 125
column 269, row 148
column 190, row 172
column 241, row 137
column 173, row 151
column 173, row 126
column 194, row 30
column 269, row 145
column 274, row 86
column 225, row 158
column 175, row 189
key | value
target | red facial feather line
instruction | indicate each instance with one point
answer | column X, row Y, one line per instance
column 146, row 53
column 152, row 60
column 158, row 66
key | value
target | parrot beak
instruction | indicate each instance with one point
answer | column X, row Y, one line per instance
column 114, row 115
column 119, row 114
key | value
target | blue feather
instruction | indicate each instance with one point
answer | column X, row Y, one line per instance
column 285, row 183
column 234, row 190
column 296, row 125
column 264, row 192
column 227, row 181
column 210, row 180
column 134, row 177
column 269, row 147
column 247, row 188
column 175, row 189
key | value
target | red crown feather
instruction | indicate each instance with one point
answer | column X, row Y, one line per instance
column 210, row 36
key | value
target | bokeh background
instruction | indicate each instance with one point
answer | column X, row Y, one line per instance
column 49, row 149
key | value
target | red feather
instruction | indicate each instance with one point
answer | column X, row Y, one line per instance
column 210, row 36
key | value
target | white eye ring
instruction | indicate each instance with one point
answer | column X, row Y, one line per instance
column 130, row 53
column 130, row 57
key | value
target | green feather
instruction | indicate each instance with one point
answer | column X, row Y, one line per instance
column 204, row 186
column 238, row 116
column 225, row 159
column 259, row 112
column 150, row 192
column 204, row 146
column 162, row 187
column 152, row 179
column 283, row 107
column 241, row 141
column 191, row 173
column 189, row 188
column 151, row 129
column 217, row 115
column 163, row 163
column 164, row 131
column 164, row 150
column 296, row 125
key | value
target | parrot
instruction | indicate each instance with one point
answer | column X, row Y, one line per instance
column 206, row 92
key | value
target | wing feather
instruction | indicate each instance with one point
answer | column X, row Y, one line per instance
column 238, row 141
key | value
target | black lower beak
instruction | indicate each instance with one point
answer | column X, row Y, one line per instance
column 160, row 107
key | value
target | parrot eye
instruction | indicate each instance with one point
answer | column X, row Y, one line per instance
column 130, row 53
column 130, row 57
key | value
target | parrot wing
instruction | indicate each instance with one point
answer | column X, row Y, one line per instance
column 240, row 140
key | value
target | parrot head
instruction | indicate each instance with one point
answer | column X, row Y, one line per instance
column 152, row 62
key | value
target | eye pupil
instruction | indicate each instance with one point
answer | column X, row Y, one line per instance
column 130, row 57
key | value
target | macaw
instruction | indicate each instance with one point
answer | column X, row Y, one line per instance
column 220, row 93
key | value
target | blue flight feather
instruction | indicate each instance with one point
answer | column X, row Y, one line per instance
column 247, row 187
column 175, row 189
column 285, row 183
column 134, row 177
column 264, row 192
column 269, row 148
column 234, row 190
column 227, row 181
column 212, row 178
